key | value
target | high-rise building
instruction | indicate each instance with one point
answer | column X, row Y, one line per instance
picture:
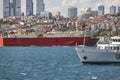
column 11, row 8
column 15, row 7
column 101, row 10
column 40, row 6
column 4, row 8
column 27, row 7
column 72, row 12
column 119, row 10
column 112, row 9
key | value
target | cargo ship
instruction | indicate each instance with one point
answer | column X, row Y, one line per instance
column 46, row 40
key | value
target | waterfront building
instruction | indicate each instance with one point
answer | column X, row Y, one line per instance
column 112, row 10
column 40, row 6
column 119, row 10
column 27, row 7
column 101, row 10
column 4, row 8
column 72, row 12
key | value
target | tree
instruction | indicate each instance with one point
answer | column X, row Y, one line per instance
column 94, row 34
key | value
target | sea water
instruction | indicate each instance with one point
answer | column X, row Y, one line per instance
column 51, row 63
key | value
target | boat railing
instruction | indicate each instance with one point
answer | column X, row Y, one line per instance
column 103, row 42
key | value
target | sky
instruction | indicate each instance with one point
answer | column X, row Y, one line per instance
column 55, row 6
column 61, row 5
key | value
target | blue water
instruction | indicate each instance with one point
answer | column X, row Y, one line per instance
column 51, row 63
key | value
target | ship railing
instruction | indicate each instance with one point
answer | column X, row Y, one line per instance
column 103, row 42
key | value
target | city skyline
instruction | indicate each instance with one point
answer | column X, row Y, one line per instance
column 27, row 9
column 20, row 7
column 62, row 5
column 55, row 6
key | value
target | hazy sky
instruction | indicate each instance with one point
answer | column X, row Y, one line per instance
column 62, row 5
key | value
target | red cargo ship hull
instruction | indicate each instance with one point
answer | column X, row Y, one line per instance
column 55, row 41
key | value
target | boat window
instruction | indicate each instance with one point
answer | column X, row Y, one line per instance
column 114, row 40
column 111, row 48
column 114, row 48
column 118, row 40
column 117, row 48
column 105, row 47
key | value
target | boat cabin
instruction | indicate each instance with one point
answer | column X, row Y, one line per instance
column 113, row 44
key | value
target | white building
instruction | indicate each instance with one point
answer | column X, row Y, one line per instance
column 27, row 7
column 118, row 9
column 101, row 10
column 4, row 8
column 72, row 12
column 40, row 6
column 112, row 9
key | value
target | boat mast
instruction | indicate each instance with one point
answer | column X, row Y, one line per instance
column 0, row 31
column 84, row 41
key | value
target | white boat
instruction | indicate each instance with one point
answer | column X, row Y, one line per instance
column 103, row 53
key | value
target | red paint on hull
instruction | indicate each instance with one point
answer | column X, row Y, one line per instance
column 56, row 41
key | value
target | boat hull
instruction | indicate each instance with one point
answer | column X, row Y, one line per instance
column 97, row 56
column 58, row 41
